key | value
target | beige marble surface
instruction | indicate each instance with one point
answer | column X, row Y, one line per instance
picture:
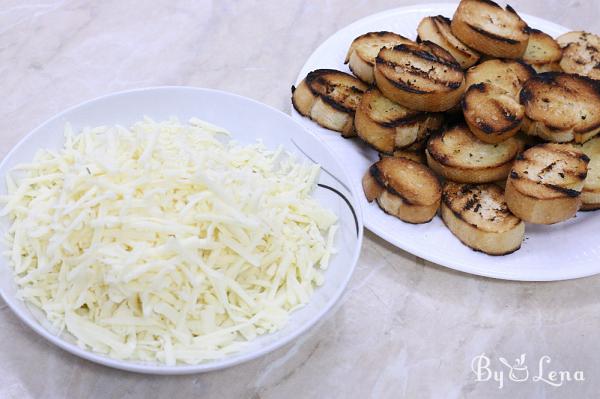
column 405, row 328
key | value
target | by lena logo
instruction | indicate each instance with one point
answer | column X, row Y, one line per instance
column 518, row 371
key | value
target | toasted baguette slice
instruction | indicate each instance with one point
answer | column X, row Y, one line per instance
column 403, row 188
column 458, row 155
column 437, row 30
column 386, row 125
column 581, row 53
column 590, row 196
column 423, row 76
column 506, row 74
column 543, row 52
column 561, row 107
column 575, row 37
column 488, row 28
column 545, row 183
column 329, row 98
column 492, row 114
column 479, row 217
column 364, row 49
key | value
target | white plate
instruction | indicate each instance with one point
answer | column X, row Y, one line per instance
column 564, row 251
column 248, row 121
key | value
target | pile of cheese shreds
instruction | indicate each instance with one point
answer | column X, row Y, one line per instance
column 166, row 242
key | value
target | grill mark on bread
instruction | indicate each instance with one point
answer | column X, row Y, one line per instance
column 473, row 195
column 567, row 191
column 563, row 154
column 409, row 68
column 492, row 35
column 317, row 76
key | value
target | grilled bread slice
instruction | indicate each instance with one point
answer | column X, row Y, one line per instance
column 561, row 107
column 490, row 29
column 590, row 196
column 364, row 49
column 386, row 125
column 479, row 217
column 543, row 52
column 506, row 74
column 581, row 53
column 492, row 114
column 403, row 188
column 574, row 37
column 423, row 76
column 545, row 183
column 330, row 98
column 437, row 30
column 458, row 155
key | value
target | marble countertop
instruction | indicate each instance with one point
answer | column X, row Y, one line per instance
column 404, row 328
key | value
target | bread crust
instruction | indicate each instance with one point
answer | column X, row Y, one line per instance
column 403, row 188
column 479, row 217
column 330, row 98
column 364, row 49
column 545, row 183
column 492, row 114
column 387, row 126
column 458, row 155
column 561, row 107
column 490, row 29
column 437, row 30
column 423, row 77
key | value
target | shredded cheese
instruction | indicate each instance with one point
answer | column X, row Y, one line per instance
column 165, row 242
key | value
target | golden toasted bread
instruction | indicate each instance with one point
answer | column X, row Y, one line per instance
column 545, row 183
column 437, row 30
column 492, row 114
column 490, row 29
column 364, row 49
column 329, row 98
column 581, row 53
column 479, row 217
column 506, row 74
column 543, row 52
column 590, row 195
column 423, row 76
column 458, row 155
column 386, row 125
column 575, row 37
column 403, row 188
column 561, row 107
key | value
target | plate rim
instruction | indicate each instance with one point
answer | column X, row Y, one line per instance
column 381, row 232
column 227, row 361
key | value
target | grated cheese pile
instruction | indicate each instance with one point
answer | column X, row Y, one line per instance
column 165, row 242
